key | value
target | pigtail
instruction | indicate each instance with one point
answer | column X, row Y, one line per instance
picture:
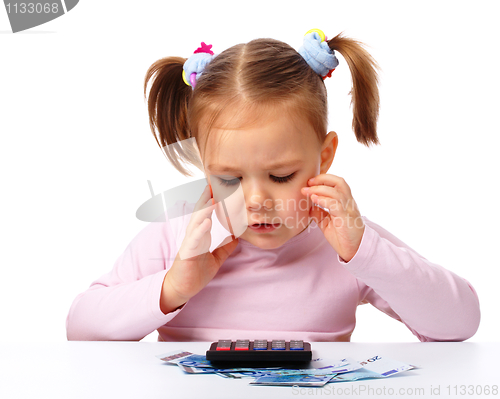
column 168, row 104
column 365, row 97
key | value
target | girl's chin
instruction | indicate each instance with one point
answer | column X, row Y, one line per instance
column 266, row 241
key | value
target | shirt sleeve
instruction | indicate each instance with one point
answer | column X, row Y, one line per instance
column 124, row 304
column 433, row 302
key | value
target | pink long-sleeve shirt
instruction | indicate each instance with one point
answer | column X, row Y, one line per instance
column 300, row 290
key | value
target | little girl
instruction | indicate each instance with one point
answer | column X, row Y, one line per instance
column 306, row 258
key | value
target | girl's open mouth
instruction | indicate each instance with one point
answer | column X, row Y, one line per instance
column 264, row 227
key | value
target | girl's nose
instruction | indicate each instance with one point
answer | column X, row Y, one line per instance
column 259, row 202
column 270, row 203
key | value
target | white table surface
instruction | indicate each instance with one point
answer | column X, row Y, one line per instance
column 131, row 370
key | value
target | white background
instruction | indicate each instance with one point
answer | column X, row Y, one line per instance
column 77, row 150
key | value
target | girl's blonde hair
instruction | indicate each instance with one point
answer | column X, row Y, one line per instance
column 262, row 73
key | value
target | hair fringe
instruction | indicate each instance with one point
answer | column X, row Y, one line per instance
column 365, row 96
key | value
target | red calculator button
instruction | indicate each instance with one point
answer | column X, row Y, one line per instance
column 223, row 345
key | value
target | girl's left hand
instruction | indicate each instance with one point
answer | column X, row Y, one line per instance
column 343, row 226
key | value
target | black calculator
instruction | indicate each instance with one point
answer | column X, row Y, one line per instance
column 259, row 351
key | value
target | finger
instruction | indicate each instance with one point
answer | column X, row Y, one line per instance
column 205, row 210
column 342, row 202
column 326, row 191
column 332, row 205
column 197, row 234
column 197, row 217
column 200, row 231
column 328, row 180
column 319, row 215
column 205, row 195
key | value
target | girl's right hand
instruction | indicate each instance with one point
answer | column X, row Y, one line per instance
column 194, row 266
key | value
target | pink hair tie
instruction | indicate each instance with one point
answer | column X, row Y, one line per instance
column 192, row 79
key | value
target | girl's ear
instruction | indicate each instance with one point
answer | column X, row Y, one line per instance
column 328, row 150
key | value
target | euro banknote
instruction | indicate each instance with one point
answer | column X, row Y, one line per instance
column 318, row 372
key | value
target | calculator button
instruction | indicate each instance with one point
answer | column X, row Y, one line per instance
column 278, row 344
column 242, row 345
column 224, row 345
column 260, row 344
column 297, row 345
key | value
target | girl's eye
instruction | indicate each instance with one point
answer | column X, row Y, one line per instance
column 283, row 179
column 231, row 182
column 276, row 179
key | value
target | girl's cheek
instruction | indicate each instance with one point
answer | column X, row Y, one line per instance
column 298, row 203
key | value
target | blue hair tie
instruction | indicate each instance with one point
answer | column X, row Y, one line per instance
column 318, row 55
column 194, row 65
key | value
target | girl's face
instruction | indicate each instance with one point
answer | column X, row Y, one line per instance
column 267, row 163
